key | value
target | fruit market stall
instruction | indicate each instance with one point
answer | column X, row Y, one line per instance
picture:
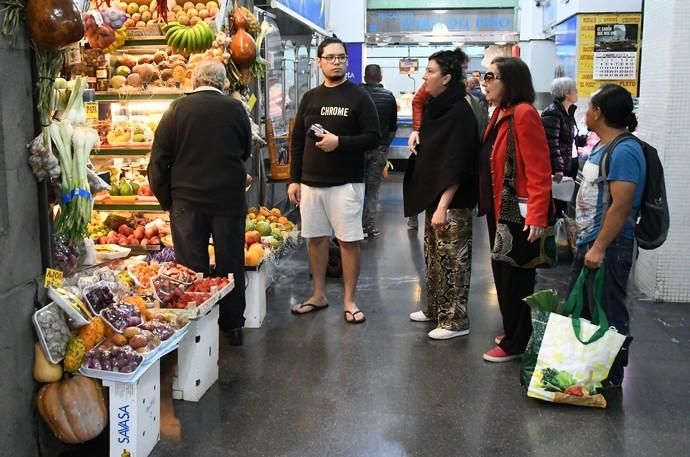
column 114, row 323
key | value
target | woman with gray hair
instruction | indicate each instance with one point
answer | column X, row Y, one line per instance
column 559, row 124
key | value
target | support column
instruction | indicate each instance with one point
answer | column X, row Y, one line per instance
column 20, row 257
column 664, row 117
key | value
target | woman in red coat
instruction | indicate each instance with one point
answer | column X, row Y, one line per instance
column 509, row 87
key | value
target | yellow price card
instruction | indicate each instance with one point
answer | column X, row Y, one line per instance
column 251, row 102
column 54, row 278
column 91, row 109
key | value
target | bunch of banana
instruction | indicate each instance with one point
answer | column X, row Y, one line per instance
column 120, row 38
column 197, row 38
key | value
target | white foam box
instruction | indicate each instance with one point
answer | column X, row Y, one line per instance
column 135, row 414
column 197, row 358
column 255, row 297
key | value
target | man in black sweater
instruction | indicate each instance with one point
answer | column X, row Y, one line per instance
column 387, row 109
column 327, row 173
column 197, row 173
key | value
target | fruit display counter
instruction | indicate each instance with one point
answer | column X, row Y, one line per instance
column 114, row 323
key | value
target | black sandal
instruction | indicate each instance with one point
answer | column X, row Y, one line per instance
column 314, row 308
column 354, row 319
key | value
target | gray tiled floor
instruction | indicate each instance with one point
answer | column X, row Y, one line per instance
column 314, row 386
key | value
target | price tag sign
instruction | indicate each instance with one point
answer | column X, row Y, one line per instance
column 54, row 278
column 91, row 110
column 251, row 102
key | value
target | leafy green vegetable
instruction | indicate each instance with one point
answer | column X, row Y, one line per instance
column 543, row 300
column 556, row 381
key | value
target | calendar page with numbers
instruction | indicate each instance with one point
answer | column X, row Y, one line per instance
column 615, row 52
column 615, row 65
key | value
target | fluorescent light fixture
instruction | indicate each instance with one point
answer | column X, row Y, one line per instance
column 439, row 29
column 440, row 11
column 423, row 44
column 500, row 43
column 458, row 44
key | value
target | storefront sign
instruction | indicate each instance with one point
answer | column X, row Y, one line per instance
column 408, row 66
column 432, row 21
column 312, row 10
column 354, row 62
column 608, row 51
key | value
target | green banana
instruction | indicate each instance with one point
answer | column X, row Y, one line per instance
column 184, row 38
column 175, row 38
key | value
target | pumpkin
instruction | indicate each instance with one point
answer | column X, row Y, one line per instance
column 53, row 24
column 44, row 369
column 74, row 409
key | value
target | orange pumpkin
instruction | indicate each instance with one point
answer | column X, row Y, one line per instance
column 74, row 409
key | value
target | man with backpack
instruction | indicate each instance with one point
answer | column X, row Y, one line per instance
column 617, row 188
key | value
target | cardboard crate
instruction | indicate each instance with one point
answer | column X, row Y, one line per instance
column 197, row 358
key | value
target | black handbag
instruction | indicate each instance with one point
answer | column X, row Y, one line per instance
column 510, row 244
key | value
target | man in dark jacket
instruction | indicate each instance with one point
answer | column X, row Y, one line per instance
column 387, row 109
column 197, row 173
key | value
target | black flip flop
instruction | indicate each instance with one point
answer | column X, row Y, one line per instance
column 354, row 320
column 313, row 309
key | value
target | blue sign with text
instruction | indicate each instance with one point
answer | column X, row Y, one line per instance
column 312, row 10
column 354, row 62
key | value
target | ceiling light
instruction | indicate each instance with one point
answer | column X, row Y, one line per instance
column 500, row 43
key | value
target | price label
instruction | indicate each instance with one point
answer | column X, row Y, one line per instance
column 91, row 110
column 251, row 102
column 54, row 278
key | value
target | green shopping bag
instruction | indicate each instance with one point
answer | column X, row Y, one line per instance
column 574, row 355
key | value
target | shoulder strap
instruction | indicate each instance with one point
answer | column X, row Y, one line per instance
column 604, row 172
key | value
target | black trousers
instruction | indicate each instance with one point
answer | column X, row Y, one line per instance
column 512, row 285
column 191, row 231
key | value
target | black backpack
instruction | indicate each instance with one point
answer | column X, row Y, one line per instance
column 651, row 228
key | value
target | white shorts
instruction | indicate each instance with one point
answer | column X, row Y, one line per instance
column 338, row 209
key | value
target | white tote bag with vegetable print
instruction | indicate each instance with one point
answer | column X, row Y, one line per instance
column 576, row 354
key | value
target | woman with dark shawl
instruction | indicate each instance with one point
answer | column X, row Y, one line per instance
column 441, row 179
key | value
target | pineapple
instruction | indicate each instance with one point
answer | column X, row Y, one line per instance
column 74, row 355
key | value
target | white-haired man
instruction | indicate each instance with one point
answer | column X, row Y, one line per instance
column 197, row 173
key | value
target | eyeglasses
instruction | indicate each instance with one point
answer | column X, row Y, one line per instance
column 488, row 76
column 331, row 58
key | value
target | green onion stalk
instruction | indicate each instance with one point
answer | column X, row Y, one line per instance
column 49, row 66
column 74, row 141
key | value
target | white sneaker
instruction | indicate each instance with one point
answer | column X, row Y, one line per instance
column 443, row 334
column 419, row 316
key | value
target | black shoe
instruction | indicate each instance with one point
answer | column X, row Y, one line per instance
column 235, row 336
column 611, row 384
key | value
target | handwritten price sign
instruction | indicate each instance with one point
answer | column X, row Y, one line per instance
column 54, row 278
column 91, row 110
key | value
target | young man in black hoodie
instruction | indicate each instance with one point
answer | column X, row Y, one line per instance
column 197, row 173
column 336, row 124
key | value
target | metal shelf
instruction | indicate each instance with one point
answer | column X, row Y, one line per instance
column 118, row 151
column 151, row 207
column 112, row 96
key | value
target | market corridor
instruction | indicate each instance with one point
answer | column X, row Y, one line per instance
column 315, row 386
